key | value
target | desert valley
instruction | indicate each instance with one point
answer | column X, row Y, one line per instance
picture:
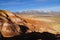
column 16, row 23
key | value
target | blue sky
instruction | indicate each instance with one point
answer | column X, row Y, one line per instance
column 21, row 5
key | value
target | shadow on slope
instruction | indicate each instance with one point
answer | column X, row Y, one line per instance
column 31, row 36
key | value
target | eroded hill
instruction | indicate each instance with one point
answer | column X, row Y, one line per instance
column 12, row 25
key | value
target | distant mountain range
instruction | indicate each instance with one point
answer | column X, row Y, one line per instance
column 43, row 13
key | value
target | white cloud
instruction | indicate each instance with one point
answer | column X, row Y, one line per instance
column 54, row 8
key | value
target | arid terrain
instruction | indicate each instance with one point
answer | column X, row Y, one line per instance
column 44, row 21
column 12, row 25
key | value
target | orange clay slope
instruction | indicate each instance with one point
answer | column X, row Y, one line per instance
column 42, row 26
column 12, row 25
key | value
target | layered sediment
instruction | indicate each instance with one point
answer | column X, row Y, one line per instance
column 12, row 25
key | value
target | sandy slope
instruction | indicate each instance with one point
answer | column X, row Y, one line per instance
column 12, row 25
column 52, row 25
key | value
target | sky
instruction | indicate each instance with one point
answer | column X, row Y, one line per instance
column 22, row 5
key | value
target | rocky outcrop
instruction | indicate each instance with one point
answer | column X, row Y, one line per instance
column 12, row 25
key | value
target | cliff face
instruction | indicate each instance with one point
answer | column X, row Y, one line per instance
column 12, row 25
